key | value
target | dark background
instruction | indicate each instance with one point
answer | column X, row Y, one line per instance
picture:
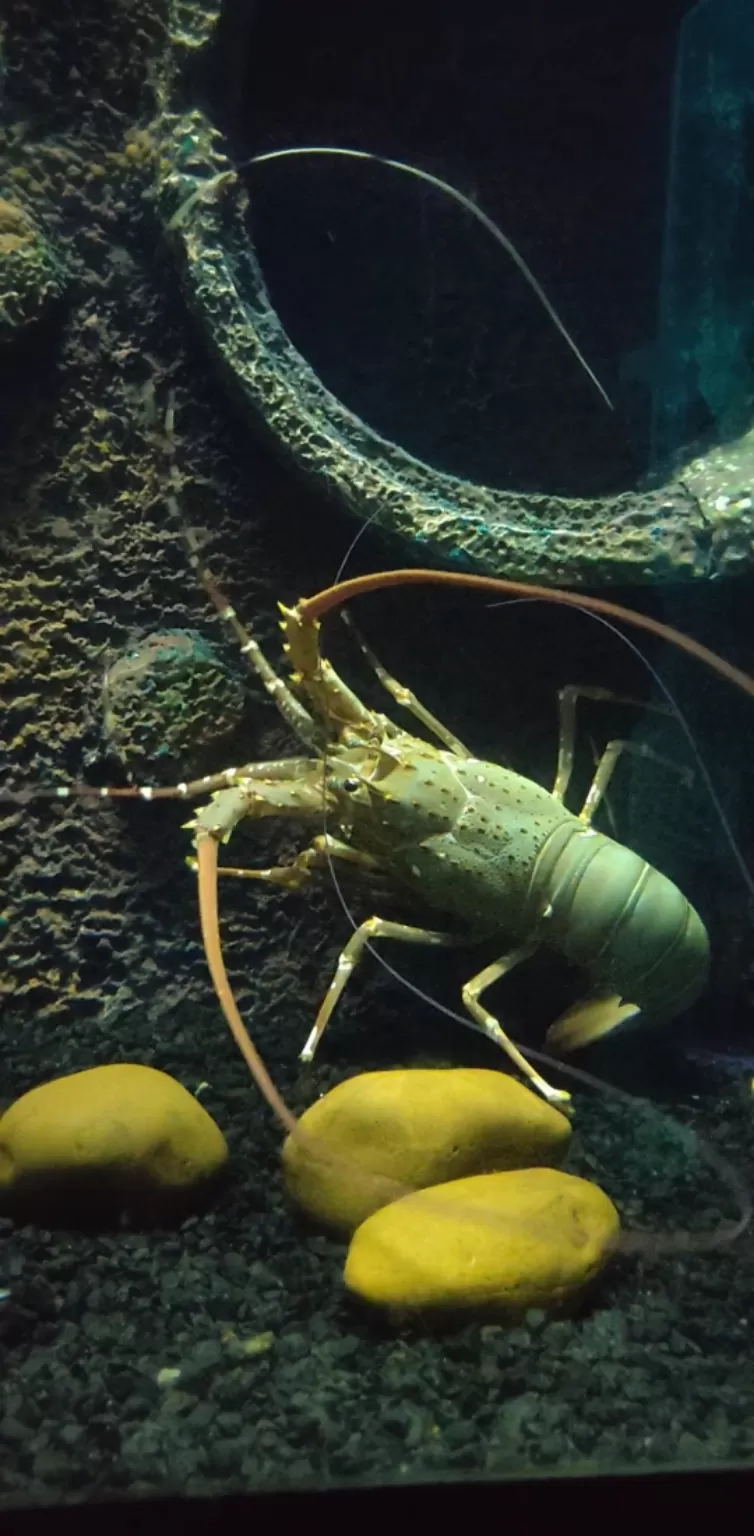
column 555, row 118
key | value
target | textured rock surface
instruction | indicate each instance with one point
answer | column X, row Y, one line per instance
column 499, row 1241
column 100, row 935
column 416, row 1127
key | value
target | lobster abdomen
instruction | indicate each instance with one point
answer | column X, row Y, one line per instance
column 629, row 926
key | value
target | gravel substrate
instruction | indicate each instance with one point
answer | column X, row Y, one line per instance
column 226, row 1356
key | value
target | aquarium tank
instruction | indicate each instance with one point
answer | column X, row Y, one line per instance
column 704, row 384
column 376, row 961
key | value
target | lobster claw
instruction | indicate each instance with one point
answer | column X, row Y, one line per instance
column 589, row 1020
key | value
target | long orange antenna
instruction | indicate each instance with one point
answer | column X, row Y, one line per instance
column 206, row 859
column 309, row 609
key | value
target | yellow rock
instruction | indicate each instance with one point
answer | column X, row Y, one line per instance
column 126, row 1135
column 500, row 1242
column 391, row 1132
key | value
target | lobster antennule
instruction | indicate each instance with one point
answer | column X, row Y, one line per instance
column 310, row 609
column 467, row 203
column 206, row 859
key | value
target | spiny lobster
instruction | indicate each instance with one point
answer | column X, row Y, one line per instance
column 491, row 852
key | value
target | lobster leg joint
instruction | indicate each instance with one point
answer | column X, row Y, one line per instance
column 490, row 1027
column 372, row 928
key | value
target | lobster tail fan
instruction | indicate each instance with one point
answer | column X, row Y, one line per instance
column 587, row 1021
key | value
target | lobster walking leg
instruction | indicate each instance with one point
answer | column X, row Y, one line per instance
column 567, row 726
column 294, row 876
column 606, row 767
column 372, row 928
column 489, row 1025
column 405, row 696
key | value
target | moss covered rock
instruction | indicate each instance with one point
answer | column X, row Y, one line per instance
column 31, row 276
column 115, row 1138
column 171, row 705
column 498, row 1242
column 390, row 1132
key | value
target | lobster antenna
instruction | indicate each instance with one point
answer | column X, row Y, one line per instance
column 206, row 859
column 311, row 609
column 465, row 202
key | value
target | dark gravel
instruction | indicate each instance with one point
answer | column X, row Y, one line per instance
column 276, row 1378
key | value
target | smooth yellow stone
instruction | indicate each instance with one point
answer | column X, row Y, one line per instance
column 390, row 1132
column 501, row 1242
column 124, row 1129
